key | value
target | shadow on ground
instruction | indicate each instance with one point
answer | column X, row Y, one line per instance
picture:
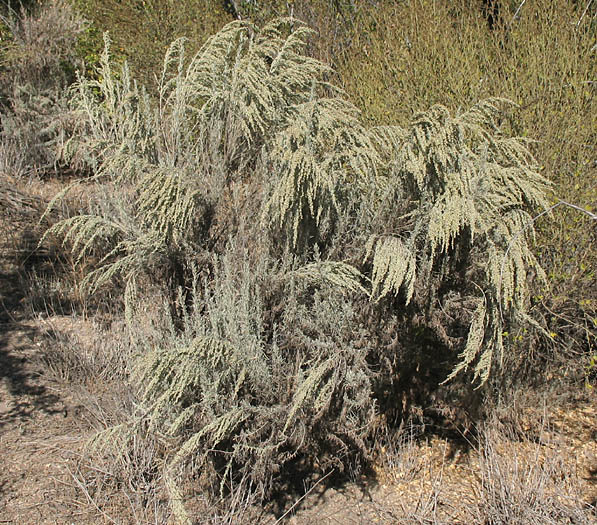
column 21, row 393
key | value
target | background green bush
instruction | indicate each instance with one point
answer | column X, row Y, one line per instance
column 141, row 31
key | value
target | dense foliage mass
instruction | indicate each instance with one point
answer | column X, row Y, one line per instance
column 320, row 268
column 447, row 202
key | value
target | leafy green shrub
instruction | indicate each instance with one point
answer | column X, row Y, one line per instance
column 143, row 31
column 334, row 21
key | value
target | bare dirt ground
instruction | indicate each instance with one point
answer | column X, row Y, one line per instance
column 431, row 482
column 39, row 433
column 33, row 420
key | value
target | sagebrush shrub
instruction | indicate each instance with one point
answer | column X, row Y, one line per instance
column 455, row 212
column 527, row 487
column 231, row 188
column 175, row 161
column 233, row 394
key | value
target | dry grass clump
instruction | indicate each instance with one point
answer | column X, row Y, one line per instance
column 39, row 60
column 89, row 365
column 78, row 353
column 41, row 50
column 531, row 486
column 494, row 476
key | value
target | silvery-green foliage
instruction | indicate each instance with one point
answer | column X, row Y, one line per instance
column 115, row 121
column 332, row 382
column 220, row 118
column 344, row 276
column 459, row 191
column 228, row 389
column 323, row 155
column 270, row 361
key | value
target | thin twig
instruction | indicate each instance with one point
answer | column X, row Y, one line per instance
column 584, row 13
column 89, row 498
column 302, row 498
column 516, row 12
